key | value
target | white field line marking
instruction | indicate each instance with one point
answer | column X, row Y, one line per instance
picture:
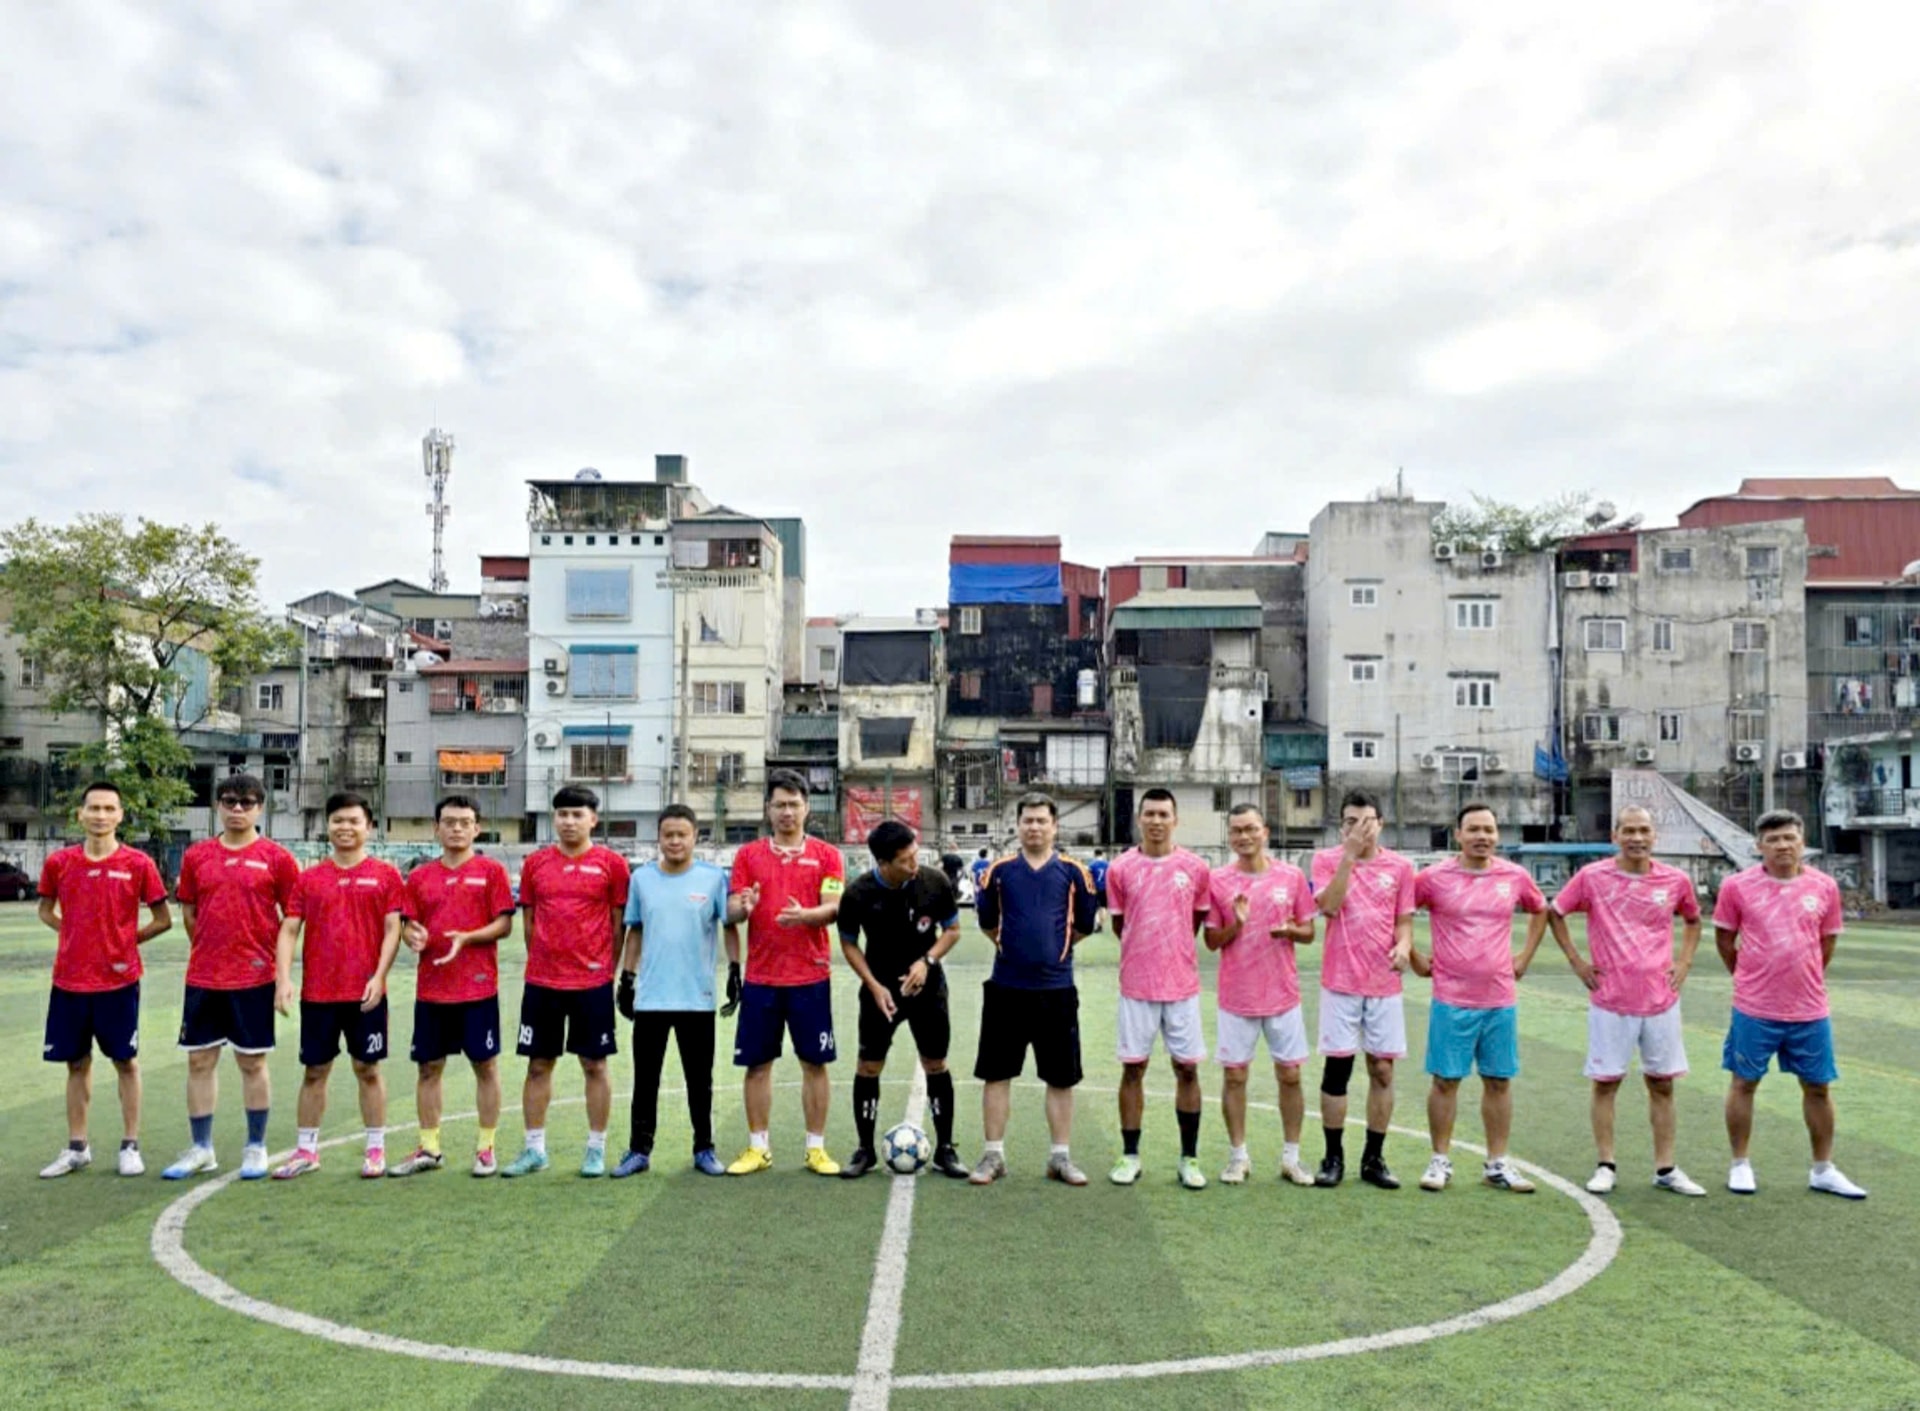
column 873, row 1377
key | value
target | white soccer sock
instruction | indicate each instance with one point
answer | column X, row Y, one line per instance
column 1290, row 1152
column 1059, row 1149
column 1820, row 1168
column 597, row 1141
column 996, row 1148
column 816, row 1141
column 537, row 1139
column 1238, row 1153
column 376, row 1139
column 758, row 1141
column 309, row 1139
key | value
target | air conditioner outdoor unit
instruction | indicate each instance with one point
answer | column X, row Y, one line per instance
column 543, row 741
column 1576, row 579
column 556, row 688
column 1443, row 550
column 1747, row 754
column 1605, row 581
column 554, row 666
column 1429, row 761
column 1643, row 755
column 1491, row 558
column 1793, row 759
column 1494, row 764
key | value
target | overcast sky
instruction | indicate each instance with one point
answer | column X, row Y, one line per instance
column 1154, row 278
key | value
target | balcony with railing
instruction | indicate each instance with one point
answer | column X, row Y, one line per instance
column 477, row 695
column 1884, row 805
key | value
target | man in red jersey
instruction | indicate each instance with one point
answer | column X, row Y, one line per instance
column 92, row 895
column 575, row 897
column 345, row 916
column 787, row 888
column 233, row 890
column 457, row 910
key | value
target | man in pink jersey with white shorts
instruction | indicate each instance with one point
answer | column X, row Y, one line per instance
column 1158, row 896
column 1262, row 908
column 1366, row 894
column 1775, row 926
column 1630, row 901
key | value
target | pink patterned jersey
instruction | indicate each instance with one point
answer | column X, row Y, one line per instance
column 1159, row 901
column 1258, row 974
column 1630, row 930
column 1778, row 974
column 1472, row 916
column 1359, row 956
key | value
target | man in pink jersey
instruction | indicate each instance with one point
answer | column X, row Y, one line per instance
column 1366, row 894
column 92, row 895
column 1630, row 901
column 575, row 896
column 345, row 916
column 1158, row 897
column 1261, row 909
column 1473, row 1022
column 1775, row 926
column 233, row 891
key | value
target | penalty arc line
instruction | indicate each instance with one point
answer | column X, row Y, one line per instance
column 873, row 1376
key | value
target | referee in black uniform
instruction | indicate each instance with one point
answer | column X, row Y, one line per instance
column 911, row 919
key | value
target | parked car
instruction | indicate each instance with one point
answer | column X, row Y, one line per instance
column 16, row 884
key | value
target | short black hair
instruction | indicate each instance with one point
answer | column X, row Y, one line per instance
column 983, row 852
column 346, row 798
column 576, row 796
column 1244, row 808
column 888, row 837
column 682, row 812
column 1474, row 806
column 456, row 801
column 1037, row 800
column 245, row 787
column 1159, row 795
column 791, row 780
column 1360, row 798
column 102, row 786
column 1779, row 818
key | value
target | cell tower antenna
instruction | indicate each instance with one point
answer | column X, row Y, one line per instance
column 436, row 454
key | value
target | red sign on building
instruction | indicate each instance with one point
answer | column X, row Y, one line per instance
column 867, row 806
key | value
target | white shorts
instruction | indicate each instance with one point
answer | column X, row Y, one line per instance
column 1612, row 1038
column 1237, row 1035
column 1372, row 1024
column 1178, row 1020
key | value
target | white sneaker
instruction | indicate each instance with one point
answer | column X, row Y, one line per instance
column 68, row 1162
column 1833, row 1183
column 1439, row 1174
column 1677, row 1181
column 253, row 1163
column 1740, row 1178
column 1505, row 1176
column 194, row 1161
column 1238, row 1168
column 1294, row 1172
column 1602, row 1181
column 1126, row 1171
column 131, row 1163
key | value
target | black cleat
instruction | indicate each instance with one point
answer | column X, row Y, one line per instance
column 1375, row 1173
column 857, row 1165
column 948, row 1163
column 1331, row 1173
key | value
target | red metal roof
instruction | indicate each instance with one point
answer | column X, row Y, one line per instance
column 510, row 568
column 1817, row 486
column 478, row 666
column 1873, row 537
column 1004, row 548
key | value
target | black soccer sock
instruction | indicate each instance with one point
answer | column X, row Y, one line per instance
column 1611, row 1167
column 1130, row 1140
column 1189, row 1133
column 1376, row 1146
column 1663, row 1171
column 1336, row 1144
column 866, row 1109
column 940, row 1104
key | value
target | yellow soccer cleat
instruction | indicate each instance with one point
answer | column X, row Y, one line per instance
column 820, row 1163
column 751, row 1160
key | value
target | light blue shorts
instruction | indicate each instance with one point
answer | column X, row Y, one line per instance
column 1461, row 1041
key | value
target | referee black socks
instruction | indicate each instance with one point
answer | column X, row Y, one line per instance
column 940, row 1104
column 866, row 1109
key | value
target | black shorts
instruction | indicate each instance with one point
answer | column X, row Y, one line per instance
column 1012, row 1020
column 326, row 1026
column 553, row 1022
column 924, row 1013
column 78, row 1019
column 441, row 1029
column 243, row 1018
column 803, row 1012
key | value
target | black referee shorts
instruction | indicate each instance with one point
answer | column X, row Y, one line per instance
column 924, row 1013
column 1012, row 1021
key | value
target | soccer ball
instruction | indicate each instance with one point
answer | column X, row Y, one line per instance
column 905, row 1149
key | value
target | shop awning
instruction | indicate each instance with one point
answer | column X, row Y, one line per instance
column 466, row 762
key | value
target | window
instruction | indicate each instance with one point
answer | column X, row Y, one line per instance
column 606, row 676
column 1669, row 727
column 1042, row 698
column 710, row 769
column 1606, row 634
column 1363, row 595
column 1473, row 692
column 1303, row 799
column 1362, row 669
column 403, row 688
column 1763, row 561
column 829, row 661
column 1747, row 727
column 403, row 756
column 969, row 622
column 600, row 761
column 1473, row 614
column 1600, row 728
column 279, row 778
column 1461, row 768
column 13, row 742
column 269, row 695
column 970, row 683
column 1663, row 634
column 1222, row 798
column 1749, row 636
column 473, row 778
column 1363, row 749
column 233, row 699
column 1676, row 560
column 31, row 676
column 605, row 594
column 1859, row 629
column 719, row 698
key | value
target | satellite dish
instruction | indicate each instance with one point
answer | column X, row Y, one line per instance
column 586, row 472
column 1632, row 521
column 1602, row 512
column 1912, row 570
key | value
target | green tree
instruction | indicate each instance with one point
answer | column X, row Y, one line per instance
column 1513, row 529
column 136, row 626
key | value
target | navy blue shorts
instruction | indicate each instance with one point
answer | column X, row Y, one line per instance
column 243, row 1018
column 581, row 1022
column 1804, row 1049
column 328, row 1025
column 77, row 1020
column 469, row 1026
column 804, row 1011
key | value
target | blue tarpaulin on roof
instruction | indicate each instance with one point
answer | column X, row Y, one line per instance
column 1003, row 583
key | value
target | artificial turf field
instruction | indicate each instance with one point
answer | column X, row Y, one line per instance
column 1784, row 1299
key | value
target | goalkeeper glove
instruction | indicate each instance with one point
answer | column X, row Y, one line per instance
column 623, row 996
column 733, row 990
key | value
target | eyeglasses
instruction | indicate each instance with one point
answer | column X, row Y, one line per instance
column 242, row 804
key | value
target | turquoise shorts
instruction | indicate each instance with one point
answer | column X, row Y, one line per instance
column 1461, row 1041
